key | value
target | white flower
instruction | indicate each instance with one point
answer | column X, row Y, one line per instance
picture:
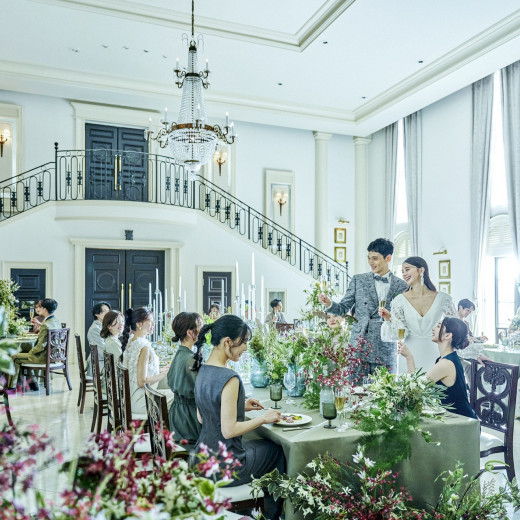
column 369, row 463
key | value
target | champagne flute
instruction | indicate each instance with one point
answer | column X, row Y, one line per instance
column 382, row 305
column 31, row 312
column 339, row 401
column 329, row 412
column 400, row 335
column 275, row 393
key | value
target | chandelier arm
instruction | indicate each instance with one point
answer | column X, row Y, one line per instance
column 192, row 19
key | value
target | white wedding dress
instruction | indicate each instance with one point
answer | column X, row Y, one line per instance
column 418, row 329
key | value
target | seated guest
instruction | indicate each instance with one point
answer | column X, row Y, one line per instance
column 181, row 378
column 466, row 307
column 38, row 354
column 214, row 311
column 38, row 319
column 450, row 335
column 221, row 406
column 113, row 326
column 93, row 337
column 139, row 357
column 276, row 314
column 334, row 322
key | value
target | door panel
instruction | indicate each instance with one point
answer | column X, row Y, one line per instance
column 140, row 272
column 134, row 167
column 212, row 290
column 32, row 288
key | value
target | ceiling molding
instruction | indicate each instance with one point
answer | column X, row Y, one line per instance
column 308, row 32
column 472, row 49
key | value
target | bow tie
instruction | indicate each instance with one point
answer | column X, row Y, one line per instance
column 378, row 278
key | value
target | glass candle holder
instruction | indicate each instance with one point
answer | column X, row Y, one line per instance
column 329, row 412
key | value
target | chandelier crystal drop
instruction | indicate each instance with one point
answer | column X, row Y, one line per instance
column 192, row 141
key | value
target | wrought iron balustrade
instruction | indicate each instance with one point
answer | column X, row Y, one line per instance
column 132, row 176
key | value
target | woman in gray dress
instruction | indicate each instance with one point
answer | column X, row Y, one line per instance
column 221, row 407
column 181, row 378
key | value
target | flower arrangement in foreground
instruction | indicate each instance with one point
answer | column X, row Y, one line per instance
column 394, row 410
column 363, row 490
column 107, row 481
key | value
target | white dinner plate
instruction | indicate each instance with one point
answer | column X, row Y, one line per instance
column 305, row 419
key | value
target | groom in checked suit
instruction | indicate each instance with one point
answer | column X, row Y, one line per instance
column 364, row 293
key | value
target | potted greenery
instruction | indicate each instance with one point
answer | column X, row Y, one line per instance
column 257, row 351
column 8, row 301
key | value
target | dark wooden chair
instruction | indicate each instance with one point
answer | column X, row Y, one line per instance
column 284, row 327
column 100, row 402
column 63, row 325
column 4, row 392
column 158, row 423
column 86, row 383
column 57, row 360
column 123, row 396
column 493, row 390
column 114, row 421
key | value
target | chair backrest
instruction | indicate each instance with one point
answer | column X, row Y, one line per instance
column 123, row 394
column 58, row 346
column 284, row 327
column 63, row 325
column 493, row 395
column 81, row 362
column 111, row 391
column 157, row 409
column 96, row 376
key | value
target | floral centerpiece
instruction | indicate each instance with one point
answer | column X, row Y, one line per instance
column 107, row 481
column 15, row 324
column 394, row 410
column 313, row 306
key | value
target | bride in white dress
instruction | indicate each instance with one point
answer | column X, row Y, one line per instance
column 418, row 310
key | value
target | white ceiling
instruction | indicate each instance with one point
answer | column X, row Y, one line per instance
column 367, row 75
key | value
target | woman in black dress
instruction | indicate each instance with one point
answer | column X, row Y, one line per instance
column 450, row 335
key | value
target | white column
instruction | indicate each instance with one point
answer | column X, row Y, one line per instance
column 361, row 239
column 321, row 232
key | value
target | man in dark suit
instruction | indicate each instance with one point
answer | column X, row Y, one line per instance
column 364, row 292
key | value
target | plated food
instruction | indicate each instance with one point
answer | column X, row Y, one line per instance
column 293, row 419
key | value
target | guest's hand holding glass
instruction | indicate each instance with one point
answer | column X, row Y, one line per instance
column 383, row 312
column 289, row 380
column 323, row 298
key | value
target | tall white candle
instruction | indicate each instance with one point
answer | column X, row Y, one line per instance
column 237, row 291
column 262, row 317
column 222, row 301
column 180, row 288
column 149, row 295
column 243, row 303
column 184, row 301
column 156, row 279
column 172, row 292
column 166, row 301
column 252, row 269
column 160, row 304
column 249, row 304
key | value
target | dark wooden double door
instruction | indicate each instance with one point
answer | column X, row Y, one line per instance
column 116, row 163
column 121, row 278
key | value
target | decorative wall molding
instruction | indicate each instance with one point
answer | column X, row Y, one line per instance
column 329, row 11
column 200, row 286
column 48, row 266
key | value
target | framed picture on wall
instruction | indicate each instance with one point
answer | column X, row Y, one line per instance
column 340, row 254
column 445, row 287
column 444, row 269
column 340, row 235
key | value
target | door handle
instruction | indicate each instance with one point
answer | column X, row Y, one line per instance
column 120, row 187
column 115, row 173
column 130, row 295
column 122, row 296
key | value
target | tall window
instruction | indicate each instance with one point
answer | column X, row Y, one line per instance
column 500, row 296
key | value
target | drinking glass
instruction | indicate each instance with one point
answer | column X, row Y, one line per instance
column 382, row 304
column 329, row 412
column 339, row 401
column 31, row 312
column 289, row 380
column 275, row 393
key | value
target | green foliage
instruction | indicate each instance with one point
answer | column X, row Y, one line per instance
column 7, row 349
column 256, row 346
column 313, row 304
column 16, row 325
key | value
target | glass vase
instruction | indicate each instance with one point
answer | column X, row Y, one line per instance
column 299, row 389
column 258, row 374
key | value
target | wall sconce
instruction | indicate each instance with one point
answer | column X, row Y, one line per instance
column 220, row 156
column 4, row 137
column 343, row 220
column 441, row 252
column 281, row 198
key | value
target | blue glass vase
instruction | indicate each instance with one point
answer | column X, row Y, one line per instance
column 299, row 389
column 258, row 374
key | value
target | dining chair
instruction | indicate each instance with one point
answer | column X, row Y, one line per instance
column 158, row 423
column 57, row 360
column 100, row 402
column 493, row 388
column 284, row 327
column 4, row 392
column 123, row 396
column 86, row 383
column 114, row 421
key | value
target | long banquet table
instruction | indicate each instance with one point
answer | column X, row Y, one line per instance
column 459, row 437
column 500, row 354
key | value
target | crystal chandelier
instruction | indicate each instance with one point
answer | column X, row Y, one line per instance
column 192, row 141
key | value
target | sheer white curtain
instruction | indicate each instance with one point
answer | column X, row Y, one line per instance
column 511, row 124
column 482, row 91
column 390, row 177
column 413, row 176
